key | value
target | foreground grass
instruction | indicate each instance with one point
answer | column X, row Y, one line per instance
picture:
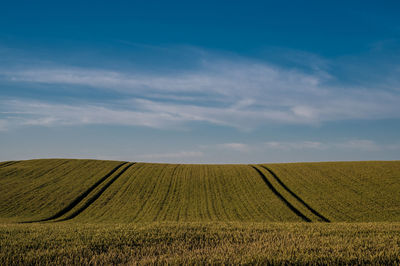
column 277, row 243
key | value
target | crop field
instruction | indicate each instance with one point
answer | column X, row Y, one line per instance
column 348, row 192
column 88, row 211
column 37, row 189
column 189, row 243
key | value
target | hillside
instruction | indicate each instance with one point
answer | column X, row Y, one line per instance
column 111, row 191
column 37, row 189
column 346, row 191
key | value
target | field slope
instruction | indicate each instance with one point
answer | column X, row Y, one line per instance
column 162, row 192
column 38, row 189
column 110, row 191
column 74, row 212
column 346, row 191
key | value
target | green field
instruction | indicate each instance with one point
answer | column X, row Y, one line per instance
column 88, row 211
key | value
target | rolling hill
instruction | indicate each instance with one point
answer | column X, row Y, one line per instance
column 50, row 190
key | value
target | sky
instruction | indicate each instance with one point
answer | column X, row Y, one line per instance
column 200, row 81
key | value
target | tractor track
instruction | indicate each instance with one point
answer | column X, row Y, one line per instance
column 5, row 164
column 281, row 197
column 323, row 218
column 98, row 194
column 80, row 198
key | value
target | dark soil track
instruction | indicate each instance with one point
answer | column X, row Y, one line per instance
column 281, row 197
column 53, row 190
column 7, row 164
column 323, row 218
column 81, row 197
column 98, row 194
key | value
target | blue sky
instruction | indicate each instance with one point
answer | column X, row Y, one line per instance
column 200, row 82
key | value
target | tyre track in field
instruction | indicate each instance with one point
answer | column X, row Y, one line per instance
column 81, row 197
column 45, row 171
column 99, row 193
column 152, row 189
column 281, row 197
column 8, row 164
column 166, row 194
column 323, row 218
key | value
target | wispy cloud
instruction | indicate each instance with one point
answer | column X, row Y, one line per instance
column 174, row 155
column 45, row 114
column 349, row 145
column 3, row 125
column 297, row 145
column 139, row 112
column 346, row 145
column 239, row 93
column 235, row 146
column 362, row 144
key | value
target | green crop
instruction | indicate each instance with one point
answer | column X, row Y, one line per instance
column 62, row 211
column 162, row 192
column 36, row 189
column 346, row 191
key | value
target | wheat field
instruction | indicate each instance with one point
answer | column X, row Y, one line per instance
column 109, row 212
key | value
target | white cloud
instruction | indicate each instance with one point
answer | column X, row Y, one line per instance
column 139, row 113
column 349, row 145
column 235, row 146
column 304, row 111
column 360, row 144
column 237, row 93
column 45, row 114
column 218, row 78
column 173, row 155
column 300, row 150
column 3, row 125
column 297, row 145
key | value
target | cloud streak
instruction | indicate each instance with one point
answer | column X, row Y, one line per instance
column 242, row 94
column 235, row 146
column 298, row 145
column 363, row 145
column 172, row 155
